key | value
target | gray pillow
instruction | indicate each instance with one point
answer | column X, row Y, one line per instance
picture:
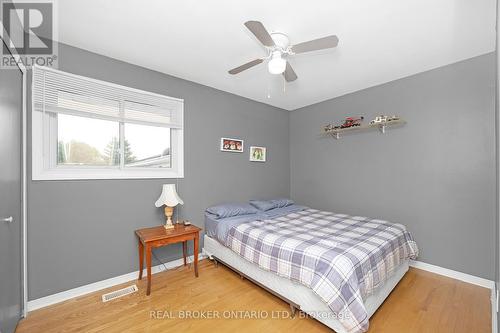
column 263, row 205
column 282, row 202
column 231, row 209
column 266, row 205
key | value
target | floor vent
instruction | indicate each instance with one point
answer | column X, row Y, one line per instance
column 119, row 293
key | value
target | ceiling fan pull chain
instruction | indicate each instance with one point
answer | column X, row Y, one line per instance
column 269, row 89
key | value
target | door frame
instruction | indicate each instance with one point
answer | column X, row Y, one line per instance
column 24, row 182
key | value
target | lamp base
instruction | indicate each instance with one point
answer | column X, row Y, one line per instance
column 169, row 211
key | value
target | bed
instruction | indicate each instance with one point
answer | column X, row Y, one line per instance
column 336, row 268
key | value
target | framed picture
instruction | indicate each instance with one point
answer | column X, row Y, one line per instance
column 231, row 145
column 257, row 154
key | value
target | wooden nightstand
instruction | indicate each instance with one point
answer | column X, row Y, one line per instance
column 159, row 236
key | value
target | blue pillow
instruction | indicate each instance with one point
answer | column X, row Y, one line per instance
column 231, row 209
column 263, row 205
column 282, row 202
column 266, row 205
column 278, row 212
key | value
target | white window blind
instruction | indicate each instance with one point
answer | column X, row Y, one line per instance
column 59, row 92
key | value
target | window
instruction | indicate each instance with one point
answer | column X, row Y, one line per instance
column 89, row 129
column 147, row 146
column 87, row 141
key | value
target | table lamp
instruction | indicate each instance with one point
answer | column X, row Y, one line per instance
column 170, row 199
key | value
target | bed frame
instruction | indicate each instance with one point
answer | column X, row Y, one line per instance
column 298, row 296
column 293, row 306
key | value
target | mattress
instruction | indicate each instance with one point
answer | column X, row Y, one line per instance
column 301, row 295
column 210, row 225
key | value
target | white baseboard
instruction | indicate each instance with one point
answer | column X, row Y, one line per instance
column 478, row 281
column 96, row 286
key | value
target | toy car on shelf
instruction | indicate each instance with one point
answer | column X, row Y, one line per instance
column 379, row 119
column 348, row 122
column 351, row 122
column 383, row 119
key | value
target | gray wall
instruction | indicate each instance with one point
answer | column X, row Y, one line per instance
column 83, row 231
column 436, row 175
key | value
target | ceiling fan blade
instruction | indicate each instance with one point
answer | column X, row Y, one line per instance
column 289, row 73
column 258, row 29
column 316, row 44
column 246, row 66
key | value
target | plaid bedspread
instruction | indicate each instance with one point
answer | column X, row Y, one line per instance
column 342, row 258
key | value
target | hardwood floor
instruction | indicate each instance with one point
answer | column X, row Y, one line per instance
column 422, row 302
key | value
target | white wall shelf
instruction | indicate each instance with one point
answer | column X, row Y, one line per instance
column 336, row 133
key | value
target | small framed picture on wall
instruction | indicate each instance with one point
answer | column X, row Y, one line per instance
column 257, row 154
column 231, row 145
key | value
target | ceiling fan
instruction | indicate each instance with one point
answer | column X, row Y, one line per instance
column 279, row 48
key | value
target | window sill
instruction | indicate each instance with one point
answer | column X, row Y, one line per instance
column 99, row 173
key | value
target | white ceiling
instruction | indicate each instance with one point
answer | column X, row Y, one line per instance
column 380, row 40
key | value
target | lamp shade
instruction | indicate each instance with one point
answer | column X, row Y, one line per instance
column 169, row 197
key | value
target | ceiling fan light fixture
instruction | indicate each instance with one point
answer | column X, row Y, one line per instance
column 278, row 45
column 277, row 64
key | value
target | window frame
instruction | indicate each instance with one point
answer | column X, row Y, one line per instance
column 44, row 151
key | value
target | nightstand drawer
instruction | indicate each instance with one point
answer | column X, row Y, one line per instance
column 173, row 240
